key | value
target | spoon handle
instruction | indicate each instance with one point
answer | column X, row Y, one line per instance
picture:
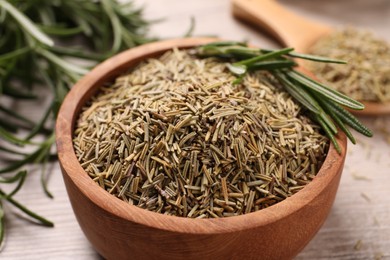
column 288, row 28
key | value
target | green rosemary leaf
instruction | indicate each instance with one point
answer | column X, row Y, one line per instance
column 325, row 118
column 190, row 30
column 3, row 15
column 19, row 163
column 350, row 120
column 273, row 65
column 84, row 25
column 30, row 213
column 2, row 224
column 44, row 178
column 26, row 23
column 299, row 94
column 115, row 23
column 315, row 58
column 45, row 149
column 238, row 80
column 211, row 50
column 58, row 88
column 12, row 92
column 327, row 107
column 12, row 151
column 60, row 31
column 309, row 57
column 131, row 39
column 61, row 63
column 326, row 91
column 26, row 123
column 35, row 156
column 14, row 54
column 20, row 176
column 241, row 52
column 329, row 133
column 60, row 93
column 40, row 126
column 223, row 43
column 16, row 115
column 235, row 51
column 14, row 178
column 274, row 54
column 43, row 152
column 77, row 53
column 9, row 126
column 237, row 69
column 46, row 15
column 307, row 100
column 4, row 134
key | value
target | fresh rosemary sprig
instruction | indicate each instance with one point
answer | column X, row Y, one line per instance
column 325, row 104
column 38, row 40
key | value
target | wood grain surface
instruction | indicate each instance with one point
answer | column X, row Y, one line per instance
column 359, row 224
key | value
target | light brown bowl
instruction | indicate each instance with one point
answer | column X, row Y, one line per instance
column 118, row 230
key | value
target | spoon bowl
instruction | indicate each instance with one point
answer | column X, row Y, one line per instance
column 292, row 30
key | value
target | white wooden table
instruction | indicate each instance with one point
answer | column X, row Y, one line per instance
column 358, row 226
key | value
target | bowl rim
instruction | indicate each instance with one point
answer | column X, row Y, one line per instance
column 70, row 166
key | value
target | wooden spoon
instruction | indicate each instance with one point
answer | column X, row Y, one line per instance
column 293, row 31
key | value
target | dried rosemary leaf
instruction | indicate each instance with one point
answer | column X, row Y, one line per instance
column 367, row 74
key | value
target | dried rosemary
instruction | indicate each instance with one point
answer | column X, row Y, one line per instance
column 367, row 74
column 176, row 136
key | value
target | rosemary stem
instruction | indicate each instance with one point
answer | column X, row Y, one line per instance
column 24, row 209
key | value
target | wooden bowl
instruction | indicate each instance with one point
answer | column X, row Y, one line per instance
column 118, row 230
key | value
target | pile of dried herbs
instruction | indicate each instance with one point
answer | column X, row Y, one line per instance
column 39, row 40
column 366, row 77
column 179, row 135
